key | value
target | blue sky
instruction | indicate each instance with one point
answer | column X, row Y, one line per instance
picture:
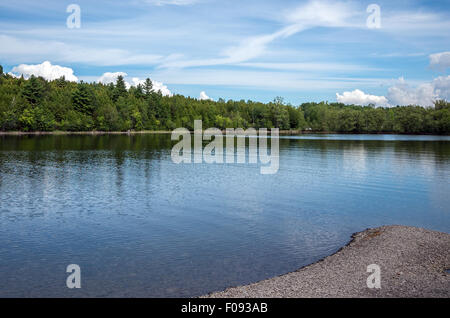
column 246, row 49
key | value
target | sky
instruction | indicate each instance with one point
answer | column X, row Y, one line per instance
column 239, row 49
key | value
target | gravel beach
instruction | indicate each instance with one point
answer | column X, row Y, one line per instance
column 413, row 263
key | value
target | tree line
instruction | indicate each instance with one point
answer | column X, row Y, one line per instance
column 36, row 104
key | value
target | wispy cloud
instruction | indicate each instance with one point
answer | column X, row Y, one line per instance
column 273, row 80
column 172, row 2
column 418, row 21
column 311, row 66
column 309, row 15
column 16, row 49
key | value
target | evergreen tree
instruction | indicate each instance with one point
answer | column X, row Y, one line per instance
column 441, row 104
column 148, row 87
column 82, row 99
column 36, row 104
column 120, row 89
column 33, row 90
column 61, row 82
column 139, row 92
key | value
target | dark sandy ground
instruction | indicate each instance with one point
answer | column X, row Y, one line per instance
column 413, row 263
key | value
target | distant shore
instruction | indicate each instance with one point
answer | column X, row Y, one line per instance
column 414, row 262
column 159, row 132
column 131, row 132
column 92, row 132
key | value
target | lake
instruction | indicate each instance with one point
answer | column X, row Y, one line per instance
column 140, row 225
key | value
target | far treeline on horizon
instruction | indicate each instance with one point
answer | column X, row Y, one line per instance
column 35, row 104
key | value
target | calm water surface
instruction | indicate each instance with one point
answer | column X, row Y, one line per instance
column 140, row 225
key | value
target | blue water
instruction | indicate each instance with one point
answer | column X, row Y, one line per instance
column 139, row 225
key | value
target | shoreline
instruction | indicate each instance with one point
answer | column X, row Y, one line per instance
column 414, row 263
column 92, row 132
column 159, row 132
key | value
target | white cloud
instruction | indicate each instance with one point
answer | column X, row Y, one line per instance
column 157, row 86
column 423, row 95
column 46, row 70
column 358, row 97
column 160, row 87
column 203, row 96
column 442, row 87
column 109, row 77
column 402, row 94
column 440, row 61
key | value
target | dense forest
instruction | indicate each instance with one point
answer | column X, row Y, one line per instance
column 36, row 104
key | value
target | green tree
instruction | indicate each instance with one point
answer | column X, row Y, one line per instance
column 83, row 99
column 120, row 89
column 148, row 87
column 37, row 104
column 441, row 104
column 138, row 92
column 33, row 90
